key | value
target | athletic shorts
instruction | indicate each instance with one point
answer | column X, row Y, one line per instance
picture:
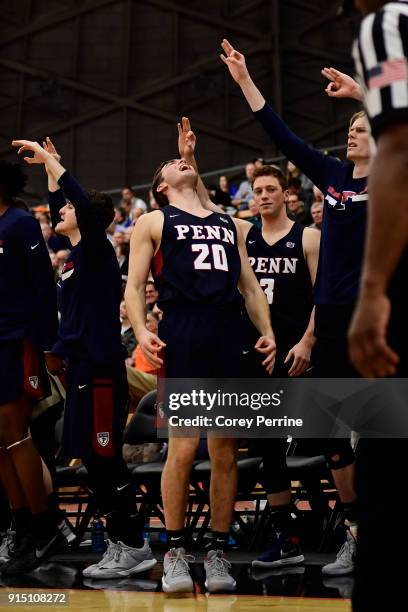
column 95, row 409
column 201, row 343
column 22, row 368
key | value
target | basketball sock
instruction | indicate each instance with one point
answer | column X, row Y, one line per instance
column 282, row 520
column 219, row 540
column 44, row 526
column 126, row 528
column 176, row 538
column 350, row 512
column 21, row 520
column 52, row 503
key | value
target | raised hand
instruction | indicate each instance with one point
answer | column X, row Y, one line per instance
column 341, row 85
column 235, row 62
column 48, row 146
column 40, row 155
column 186, row 139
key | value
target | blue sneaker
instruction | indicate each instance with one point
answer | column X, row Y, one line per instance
column 283, row 550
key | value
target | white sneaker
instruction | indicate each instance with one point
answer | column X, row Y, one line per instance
column 120, row 560
column 344, row 563
column 7, row 545
column 176, row 576
column 217, row 569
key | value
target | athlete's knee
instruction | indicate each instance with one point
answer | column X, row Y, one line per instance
column 341, row 457
column 181, row 454
column 223, row 455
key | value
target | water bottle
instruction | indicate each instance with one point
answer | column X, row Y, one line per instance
column 162, row 536
column 98, row 535
column 146, row 532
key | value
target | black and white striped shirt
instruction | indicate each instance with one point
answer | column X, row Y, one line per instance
column 381, row 58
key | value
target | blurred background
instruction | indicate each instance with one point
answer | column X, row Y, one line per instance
column 109, row 79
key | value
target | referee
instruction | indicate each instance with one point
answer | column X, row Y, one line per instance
column 379, row 331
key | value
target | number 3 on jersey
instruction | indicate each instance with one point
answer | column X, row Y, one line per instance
column 267, row 285
column 206, row 261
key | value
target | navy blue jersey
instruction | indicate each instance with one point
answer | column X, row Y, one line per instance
column 283, row 274
column 344, row 218
column 343, row 227
column 28, row 303
column 90, row 287
column 198, row 261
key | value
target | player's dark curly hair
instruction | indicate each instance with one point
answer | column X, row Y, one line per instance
column 12, row 181
column 102, row 205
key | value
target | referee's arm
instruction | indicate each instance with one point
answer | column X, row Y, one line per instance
column 381, row 58
column 381, row 61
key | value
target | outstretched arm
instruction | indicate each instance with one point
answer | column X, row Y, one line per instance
column 88, row 223
column 311, row 161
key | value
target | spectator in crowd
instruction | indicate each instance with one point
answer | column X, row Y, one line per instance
column 306, row 184
column 131, row 202
column 118, row 238
column 317, row 195
column 152, row 201
column 221, row 194
column 159, row 313
column 54, row 243
column 122, row 254
column 141, row 362
column 122, row 219
column 128, row 336
column 41, row 213
column 62, row 256
column 296, row 210
column 255, row 217
column 258, row 162
column 317, row 215
column 127, row 234
column 244, row 193
column 54, row 264
column 152, row 295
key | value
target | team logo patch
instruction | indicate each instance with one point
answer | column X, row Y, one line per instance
column 67, row 270
column 33, row 380
column 290, row 245
column 103, row 438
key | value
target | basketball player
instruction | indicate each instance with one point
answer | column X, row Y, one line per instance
column 284, row 258
column 344, row 185
column 90, row 341
column 198, row 259
column 28, row 329
column 379, row 332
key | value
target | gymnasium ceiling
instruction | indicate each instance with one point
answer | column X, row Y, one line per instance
column 108, row 80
